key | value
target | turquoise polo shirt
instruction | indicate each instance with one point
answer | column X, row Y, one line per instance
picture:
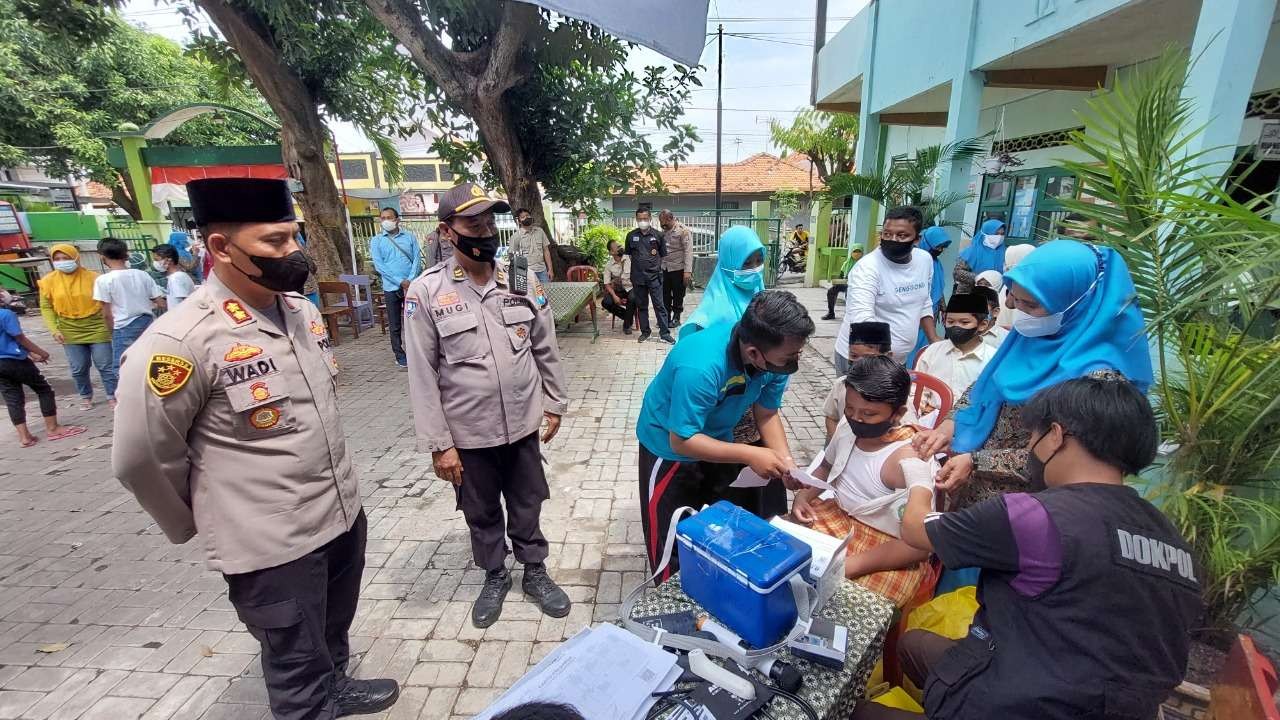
column 703, row 388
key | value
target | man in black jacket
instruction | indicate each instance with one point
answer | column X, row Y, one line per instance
column 647, row 247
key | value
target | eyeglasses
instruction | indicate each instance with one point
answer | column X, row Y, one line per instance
column 900, row 237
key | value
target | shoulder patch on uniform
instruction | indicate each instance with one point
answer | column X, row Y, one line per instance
column 317, row 328
column 539, row 294
column 166, row 374
column 235, row 310
column 241, row 351
column 410, row 306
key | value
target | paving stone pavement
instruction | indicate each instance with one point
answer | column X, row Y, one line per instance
column 102, row 619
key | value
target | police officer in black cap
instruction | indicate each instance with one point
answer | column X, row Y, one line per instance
column 228, row 426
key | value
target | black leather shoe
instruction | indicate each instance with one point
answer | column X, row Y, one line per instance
column 538, row 585
column 626, row 330
column 828, row 316
column 668, row 339
column 643, row 336
column 488, row 607
column 365, row 697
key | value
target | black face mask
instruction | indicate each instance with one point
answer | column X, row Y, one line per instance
column 869, row 430
column 527, row 221
column 481, row 249
column 789, row 369
column 959, row 336
column 282, row 274
column 899, row 252
column 1034, row 470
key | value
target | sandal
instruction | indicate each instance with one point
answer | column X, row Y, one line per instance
column 67, row 431
column 86, row 404
column 29, row 443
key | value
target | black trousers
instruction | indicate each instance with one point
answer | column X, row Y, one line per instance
column 622, row 312
column 832, row 292
column 510, row 474
column 395, row 321
column 14, row 374
column 673, row 289
column 667, row 484
column 301, row 612
column 641, row 294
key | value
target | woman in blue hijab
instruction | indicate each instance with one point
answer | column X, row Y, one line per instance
column 933, row 240
column 986, row 252
column 1075, row 313
column 738, row 277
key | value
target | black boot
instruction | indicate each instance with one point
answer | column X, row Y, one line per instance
column 538, row 585
column 365, row 697
column 488, row 607
column 829, row 316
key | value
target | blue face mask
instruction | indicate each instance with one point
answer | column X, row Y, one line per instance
column 749, row 279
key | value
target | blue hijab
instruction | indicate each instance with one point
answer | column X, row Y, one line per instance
column 1103, row 329
column 724, row 299
column 935, row 238
column 979, row 257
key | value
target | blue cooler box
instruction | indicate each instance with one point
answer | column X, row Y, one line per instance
column 737, row 566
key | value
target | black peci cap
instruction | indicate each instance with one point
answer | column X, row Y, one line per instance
column 240, row 200
column 969, row 303
column 869, row 333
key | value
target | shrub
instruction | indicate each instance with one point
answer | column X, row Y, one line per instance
column 594, row 243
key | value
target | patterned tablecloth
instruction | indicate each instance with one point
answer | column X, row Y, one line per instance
column 571, row 298
column 832, row 693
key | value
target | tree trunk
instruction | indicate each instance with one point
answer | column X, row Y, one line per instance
column 122, row 195
column 302, row 134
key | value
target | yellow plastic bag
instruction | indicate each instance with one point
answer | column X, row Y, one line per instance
column 948, row 615
column 898, row 698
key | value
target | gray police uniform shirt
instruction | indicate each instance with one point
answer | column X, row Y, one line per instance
column 483, row 363
column 228, row 425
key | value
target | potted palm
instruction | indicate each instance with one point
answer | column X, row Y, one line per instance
column 1206, row 265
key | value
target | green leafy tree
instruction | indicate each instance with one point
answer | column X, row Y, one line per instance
column 542, row 99
column 786, row 203
column 1206, row 266
column 594, row 243
column 313, row 60
column 61, row 94
column 829, row 139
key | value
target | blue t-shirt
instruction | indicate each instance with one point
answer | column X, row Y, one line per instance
column 9, row 332
column 703, row 388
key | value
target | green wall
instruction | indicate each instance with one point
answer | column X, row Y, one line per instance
column 47, row 227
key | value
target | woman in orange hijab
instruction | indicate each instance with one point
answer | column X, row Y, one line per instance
column 75, row 319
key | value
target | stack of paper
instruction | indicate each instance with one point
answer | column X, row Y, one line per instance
column 605, row 672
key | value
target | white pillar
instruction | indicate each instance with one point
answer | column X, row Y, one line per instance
column 1227, row 50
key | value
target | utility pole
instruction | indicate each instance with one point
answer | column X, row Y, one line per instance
column 719, row 117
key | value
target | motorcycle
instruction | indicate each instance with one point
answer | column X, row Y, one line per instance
column 794, row 259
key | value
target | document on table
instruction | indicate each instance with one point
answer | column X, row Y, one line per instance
column 748, row 478
column 604, row 672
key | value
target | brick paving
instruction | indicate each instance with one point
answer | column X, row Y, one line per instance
column 102, row 619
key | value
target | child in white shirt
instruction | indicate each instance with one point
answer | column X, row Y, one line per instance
column 128, row 297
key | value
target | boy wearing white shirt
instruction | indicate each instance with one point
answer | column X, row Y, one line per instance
column 961, row 358
column 892, row 284
column 128, row 297
column 178, row 285
column 994, row 334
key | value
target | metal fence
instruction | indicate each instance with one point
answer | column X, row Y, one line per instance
column 841, row 226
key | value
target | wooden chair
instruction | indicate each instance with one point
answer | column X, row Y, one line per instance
column 331, row 313
column 380, row 310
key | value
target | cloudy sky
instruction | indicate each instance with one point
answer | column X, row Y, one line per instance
column 767, row 56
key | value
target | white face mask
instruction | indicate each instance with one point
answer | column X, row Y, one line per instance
column 642, row 224
column 66, row 266
column 992, row 241
column 1030, row 325
column 389, row 225
column 160, row 265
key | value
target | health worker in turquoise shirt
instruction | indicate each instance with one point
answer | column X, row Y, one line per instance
column 708, row 381
column 398, row 259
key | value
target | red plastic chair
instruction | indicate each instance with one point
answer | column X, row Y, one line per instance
column 584, row 273
column 924, row 381
column 1245, row 686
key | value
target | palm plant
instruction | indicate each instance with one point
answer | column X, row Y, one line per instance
column 908, row 182
column 1206, row 267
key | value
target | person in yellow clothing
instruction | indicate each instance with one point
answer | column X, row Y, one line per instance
column 75, row 319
